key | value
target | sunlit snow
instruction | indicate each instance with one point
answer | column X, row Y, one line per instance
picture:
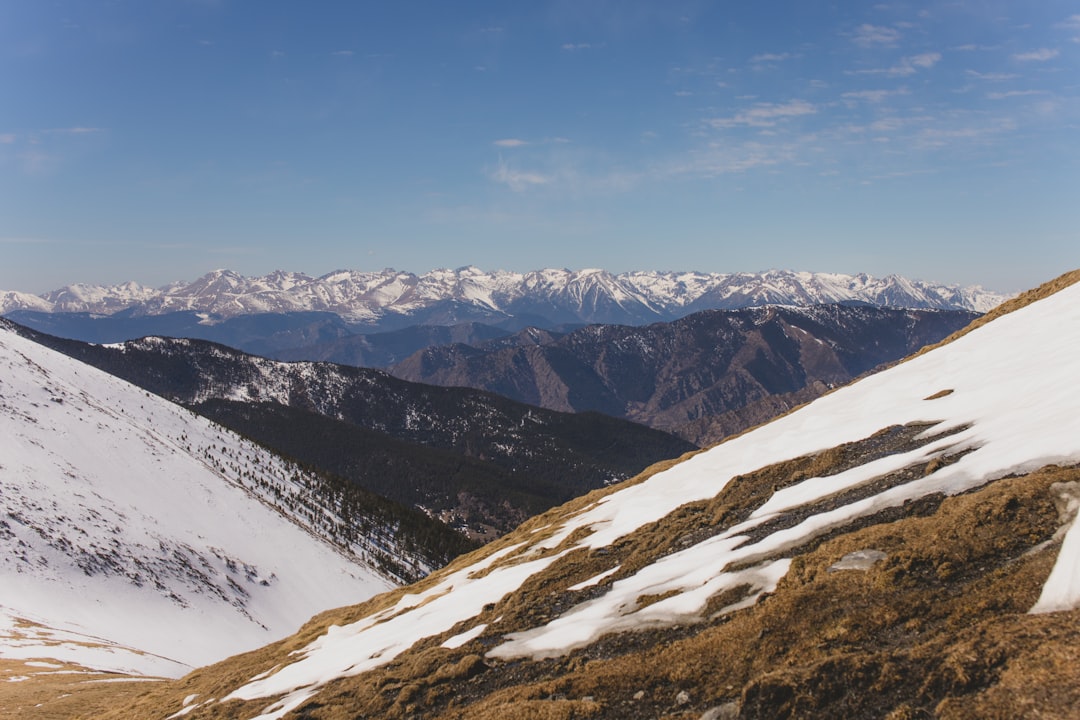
column 132, row 520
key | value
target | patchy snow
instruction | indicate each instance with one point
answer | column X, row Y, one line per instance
column 459, row 640
column 1062, row 588
column 148, row 529
column 378, row 639
column 595, row 580
column 1012, row 409
column 858, row 560
column 23, row 637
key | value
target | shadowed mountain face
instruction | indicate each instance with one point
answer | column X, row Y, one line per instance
column 382, row 349
column 904, row 547
column 479, row 462
column 744, row 365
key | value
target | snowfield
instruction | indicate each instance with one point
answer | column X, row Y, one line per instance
column 131, row 520
column 1000, row 400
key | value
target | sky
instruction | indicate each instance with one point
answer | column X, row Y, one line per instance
column 156, row 141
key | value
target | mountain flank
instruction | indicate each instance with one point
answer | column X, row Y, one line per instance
column 906, row 546
column 474, row 460
column 139, row 538
column 702, row 377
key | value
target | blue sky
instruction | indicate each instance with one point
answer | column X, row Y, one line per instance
column 157, row 140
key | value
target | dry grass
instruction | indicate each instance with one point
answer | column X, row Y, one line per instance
column 940, row 625
column 943, row 618
column 62, row 693
column 937, row 628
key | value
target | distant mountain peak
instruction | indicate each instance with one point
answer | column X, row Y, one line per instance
column 588, row 295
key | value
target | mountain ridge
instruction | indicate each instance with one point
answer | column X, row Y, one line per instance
column 674, row 376
column 467, row 294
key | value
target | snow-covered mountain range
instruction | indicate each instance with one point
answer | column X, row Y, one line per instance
column 164, row 540
column 890, row 549
column 468, row 293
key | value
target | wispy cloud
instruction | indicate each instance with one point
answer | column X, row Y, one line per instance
column 938, row 137
column 906, row 66
column 517, row 180
column 971, row 47
column 511, row 142
column 769, row 58
column 875, row 35
column 765, row 114
column 1072, row 24
column 577, row 46
column 1014, row 93
column 342, row 53
column 992, row 77
column 42, row 152
column 1040, row 55
column 74, row 131
column 874, row 96
column 718, row 158
column 38, row 163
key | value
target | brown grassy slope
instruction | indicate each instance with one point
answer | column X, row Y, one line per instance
column 938, row 627
column 943, row 616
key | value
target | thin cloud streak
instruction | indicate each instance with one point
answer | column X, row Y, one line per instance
column 1040, row 55
column 906, row 66
column 992, row 77
column 874, row 96
column 517, row 180
column 765, row 114
column 867, row 36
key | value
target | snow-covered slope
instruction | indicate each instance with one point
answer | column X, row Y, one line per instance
column 559, row 295
column 999, row 401
column 129, row 520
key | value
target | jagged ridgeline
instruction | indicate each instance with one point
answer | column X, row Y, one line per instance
column 379, row 318
column 903, row 547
